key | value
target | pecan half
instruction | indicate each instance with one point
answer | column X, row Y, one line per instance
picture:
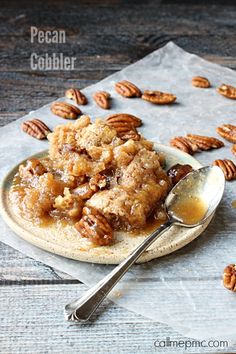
column 65, row 110
column 158, row 97
column 123, row 118
column 228, row 167
column 125, row 125
column 202, row 82
column 184, row 144
column 77, row 96
column 94, row 226
column 127, row 89
column 233, row 149
column 227, row 91
column 103, row 99
column 35, row 128
column 177, row 172
column 126, row 132
column 205, row 142
column 229, row 277
column 227, row 131
column 129, row 134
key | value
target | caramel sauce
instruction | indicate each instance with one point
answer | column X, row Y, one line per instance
column 45, row 220
column 48, row 220
column 151, row 225
column 233, row 204
column 190, row 210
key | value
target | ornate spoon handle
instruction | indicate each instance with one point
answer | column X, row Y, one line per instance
column 84, row 307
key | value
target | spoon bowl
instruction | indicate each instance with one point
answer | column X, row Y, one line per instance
column 189, row 204
column 195, row 197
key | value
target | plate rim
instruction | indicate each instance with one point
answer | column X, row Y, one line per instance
column 16, row 227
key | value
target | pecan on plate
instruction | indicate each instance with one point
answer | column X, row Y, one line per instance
column 202, row 82
column 227, row 91
column 65, row 110
column 229, row 277
column 158, row 97
column 205, row 142
column 77, row 96
column 233, row 149
column 127, row 89
column 184, row 144
column 123, row 118
column 103, row 99
column 227, row 131
column 129, row 134
column 177, row 172
column 36, row 128
column 228, row 167
column 94, row 226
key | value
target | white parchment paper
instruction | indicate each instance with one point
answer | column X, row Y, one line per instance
column 183, row 289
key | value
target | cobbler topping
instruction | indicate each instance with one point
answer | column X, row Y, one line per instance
column 93, row 179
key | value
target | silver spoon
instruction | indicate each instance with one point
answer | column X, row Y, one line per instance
column 201, row 190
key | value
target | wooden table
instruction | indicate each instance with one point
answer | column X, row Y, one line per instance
column 105, row 37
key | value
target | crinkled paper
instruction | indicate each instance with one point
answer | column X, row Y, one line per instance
column 183, row 289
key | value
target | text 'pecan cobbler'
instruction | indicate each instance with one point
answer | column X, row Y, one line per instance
column 93, row 179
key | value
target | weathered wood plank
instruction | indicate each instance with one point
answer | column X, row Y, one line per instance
column 123, row 53
column 31, row 318
column 32, row 322
column 17, row 267
column 106, row 42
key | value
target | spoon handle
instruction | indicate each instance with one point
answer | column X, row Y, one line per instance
column 84, row 307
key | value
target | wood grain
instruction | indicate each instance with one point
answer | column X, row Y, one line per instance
column 101, row 42
column 105, row 37
column 33, row 316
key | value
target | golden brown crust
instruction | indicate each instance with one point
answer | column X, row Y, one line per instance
column 32, row 168
column 77, row 96
column 158, row 97
column 88, row 164
column 127, row 89
column 97, row 182
column 200, row 81
column 69, row 205
column 65, row 110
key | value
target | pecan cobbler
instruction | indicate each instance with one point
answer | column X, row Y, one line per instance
column 93, row 179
